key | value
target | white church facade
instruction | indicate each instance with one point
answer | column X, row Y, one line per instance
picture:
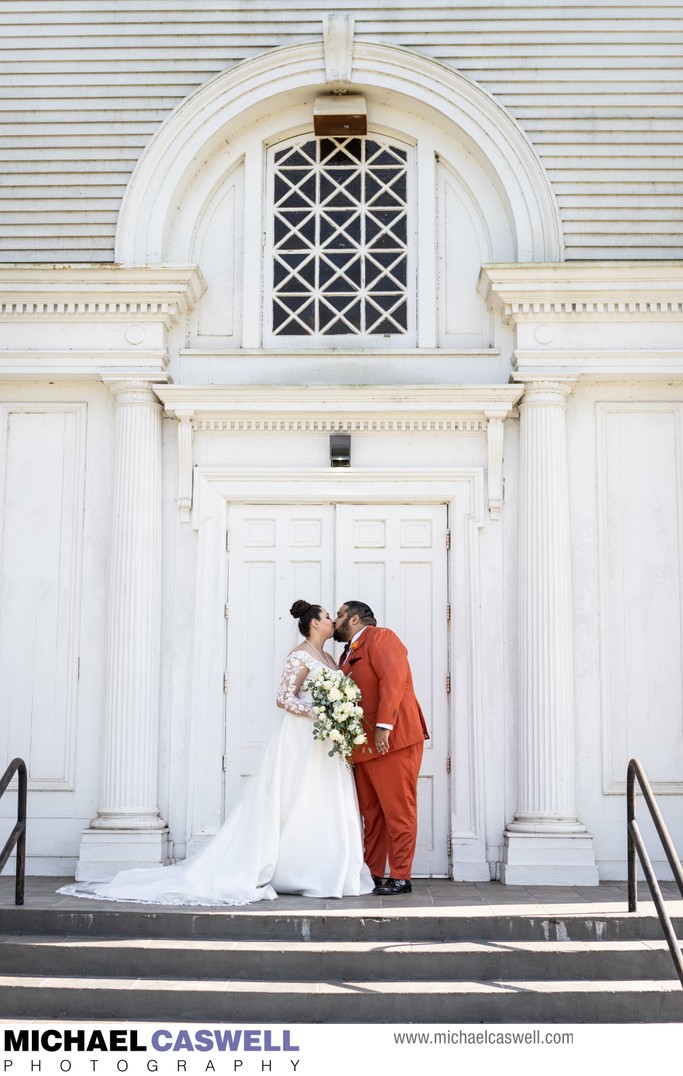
column 481, row 291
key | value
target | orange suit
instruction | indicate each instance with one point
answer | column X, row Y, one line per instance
column 387, row 784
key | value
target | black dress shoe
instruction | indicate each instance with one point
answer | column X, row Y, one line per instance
column 392, row 887
column 377, row 880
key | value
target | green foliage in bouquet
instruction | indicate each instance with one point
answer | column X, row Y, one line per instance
column 339, row 717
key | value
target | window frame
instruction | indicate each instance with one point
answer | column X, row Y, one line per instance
column 344, row 341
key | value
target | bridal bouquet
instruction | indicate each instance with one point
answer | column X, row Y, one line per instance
column 339, row 717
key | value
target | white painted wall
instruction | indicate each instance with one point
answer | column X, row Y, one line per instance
column 55, row 478
column 625, row 452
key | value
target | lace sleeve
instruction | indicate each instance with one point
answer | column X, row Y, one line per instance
column 293, row 676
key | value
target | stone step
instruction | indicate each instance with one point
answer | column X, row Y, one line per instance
column 507, row 1001
column 410, row 964
column 301, row 961
column 418, row 924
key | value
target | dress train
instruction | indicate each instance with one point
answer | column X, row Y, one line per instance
column 296, row 829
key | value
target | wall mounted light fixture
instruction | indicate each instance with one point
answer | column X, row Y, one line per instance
column 340, row 450
column 339, row 115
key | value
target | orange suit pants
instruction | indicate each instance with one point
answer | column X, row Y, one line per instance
column 387, row 797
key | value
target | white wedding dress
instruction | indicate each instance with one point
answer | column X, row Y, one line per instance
column 297, row 828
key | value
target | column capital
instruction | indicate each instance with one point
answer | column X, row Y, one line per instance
column 131, row 390
column 544, row 392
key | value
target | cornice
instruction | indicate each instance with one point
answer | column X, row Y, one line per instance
column 86, row 365
column 158, row 293
column 339, row 401
column 599, row 364
column 567, row 290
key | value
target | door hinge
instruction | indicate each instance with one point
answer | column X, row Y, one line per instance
column 448, row 683
column 448, row 611
column 449, row 846
column 225, row 683
column 448, row 539
column 78, row 669
column 226, row 611
column 448, row 763
column 224, row 763
column 227, row 541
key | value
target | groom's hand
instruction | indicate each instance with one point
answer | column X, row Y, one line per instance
column 382, row 741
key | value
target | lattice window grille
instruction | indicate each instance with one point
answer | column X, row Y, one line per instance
column 340, row 238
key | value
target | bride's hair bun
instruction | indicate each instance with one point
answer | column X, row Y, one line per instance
column 305, row 613
column 300, row 608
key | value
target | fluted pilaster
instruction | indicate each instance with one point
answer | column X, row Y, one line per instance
column 547, row 805
column 546, row 770
column 129, row 769
column 128, row 830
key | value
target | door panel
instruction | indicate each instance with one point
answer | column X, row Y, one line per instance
column 391, row 556
column 278, row 553
column 394, row 558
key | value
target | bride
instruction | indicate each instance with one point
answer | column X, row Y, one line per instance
column 296, row 829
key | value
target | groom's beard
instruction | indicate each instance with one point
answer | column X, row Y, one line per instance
column 337, row 637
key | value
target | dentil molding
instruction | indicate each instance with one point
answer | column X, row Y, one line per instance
column 583, row 289
column 161, row 291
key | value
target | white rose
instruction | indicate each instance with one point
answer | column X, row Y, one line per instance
column 335, row 735
column 335, row 695
column 360, row 738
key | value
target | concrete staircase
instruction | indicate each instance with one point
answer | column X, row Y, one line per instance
column 414, row 965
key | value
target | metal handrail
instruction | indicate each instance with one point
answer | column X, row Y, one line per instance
column 636, row 845
column 18, row 834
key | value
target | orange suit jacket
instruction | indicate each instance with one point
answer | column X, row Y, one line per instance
column 378, row 663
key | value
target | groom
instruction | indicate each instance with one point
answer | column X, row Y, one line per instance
column 386, row 779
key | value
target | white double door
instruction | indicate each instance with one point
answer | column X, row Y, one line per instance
column 394, row 557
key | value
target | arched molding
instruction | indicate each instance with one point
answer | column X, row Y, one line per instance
column 288, row 75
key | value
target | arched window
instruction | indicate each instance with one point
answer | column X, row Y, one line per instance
column 340, row 244
column 339, row 252
column 203, row 192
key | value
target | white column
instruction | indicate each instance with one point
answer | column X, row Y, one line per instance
column 128, row 829
column 546, row 844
